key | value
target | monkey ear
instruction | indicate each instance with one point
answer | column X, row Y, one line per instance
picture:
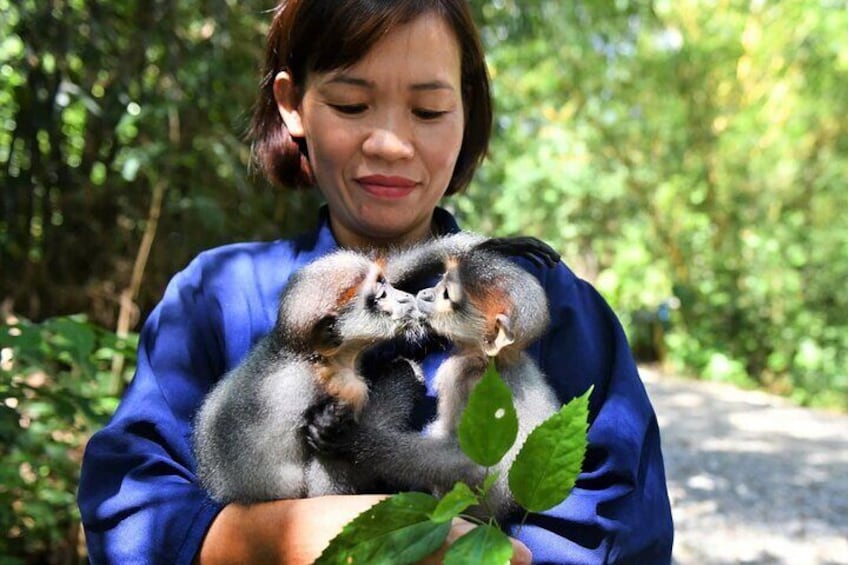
column 325, row 336
column 503, row 336
column 288, row 105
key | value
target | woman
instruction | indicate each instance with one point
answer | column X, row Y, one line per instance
column 385, row 108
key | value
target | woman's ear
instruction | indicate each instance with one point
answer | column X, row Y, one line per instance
column 288, row 105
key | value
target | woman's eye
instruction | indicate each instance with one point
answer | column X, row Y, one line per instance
column 428, row 114
column 349, row 109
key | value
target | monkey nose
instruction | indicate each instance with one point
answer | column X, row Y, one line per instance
column 426, row 295
column 426, row 301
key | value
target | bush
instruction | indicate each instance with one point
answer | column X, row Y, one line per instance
column 57, row 387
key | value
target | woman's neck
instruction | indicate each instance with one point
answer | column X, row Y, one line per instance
column 350, row 239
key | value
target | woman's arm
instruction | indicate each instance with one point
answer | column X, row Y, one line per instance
column 295, row 532
column 139, row 496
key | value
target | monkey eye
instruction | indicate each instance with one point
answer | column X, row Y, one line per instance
column 380, row 292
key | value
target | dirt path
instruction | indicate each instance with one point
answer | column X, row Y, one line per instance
column 752, row 478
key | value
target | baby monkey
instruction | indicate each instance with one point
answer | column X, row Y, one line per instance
column 248, row 434
column 489, row 307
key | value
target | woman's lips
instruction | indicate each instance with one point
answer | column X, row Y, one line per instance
column 387, row 186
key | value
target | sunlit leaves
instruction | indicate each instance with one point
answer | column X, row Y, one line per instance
column 656, row 146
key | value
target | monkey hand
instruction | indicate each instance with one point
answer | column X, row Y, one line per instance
column 531, row 248
column 329, row 427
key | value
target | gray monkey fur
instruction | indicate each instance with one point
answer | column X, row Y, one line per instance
column 248, row 434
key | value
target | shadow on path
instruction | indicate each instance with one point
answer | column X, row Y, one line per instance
column 753, row 479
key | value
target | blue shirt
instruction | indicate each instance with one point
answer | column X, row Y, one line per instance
column 139, row 495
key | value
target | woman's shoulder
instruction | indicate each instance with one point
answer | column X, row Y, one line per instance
column 569, row 292
column 234, row 264
column 249, row 250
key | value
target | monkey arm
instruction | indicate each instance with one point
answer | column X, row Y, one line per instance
column 381, row 446
column 535, row 250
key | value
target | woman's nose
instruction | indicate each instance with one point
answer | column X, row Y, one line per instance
column 390, row 143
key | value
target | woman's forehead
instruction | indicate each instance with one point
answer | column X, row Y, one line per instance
column 423, row 54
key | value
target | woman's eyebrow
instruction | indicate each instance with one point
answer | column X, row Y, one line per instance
column 364, row 83
column 432, row 85
column 350, row 80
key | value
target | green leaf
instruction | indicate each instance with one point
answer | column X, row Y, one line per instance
column 483, row 544
column 546, row 468
column 453, row 503
column 396, row 530
column 489, row 426
column 489, row 482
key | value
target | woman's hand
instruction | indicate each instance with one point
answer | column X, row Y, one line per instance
column 295, row 532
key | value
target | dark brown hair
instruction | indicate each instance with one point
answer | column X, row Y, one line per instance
column 323, row 35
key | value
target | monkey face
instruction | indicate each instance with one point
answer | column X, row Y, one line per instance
column 342, row 303
column 450, row 311
column 378, row 312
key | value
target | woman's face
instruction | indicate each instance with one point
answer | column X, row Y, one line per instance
column 384, row 134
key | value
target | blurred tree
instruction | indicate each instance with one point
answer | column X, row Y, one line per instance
column 115, row 114
column 691, row 162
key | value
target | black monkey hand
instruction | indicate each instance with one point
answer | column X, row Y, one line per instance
column 329, row 428
column 531, row 248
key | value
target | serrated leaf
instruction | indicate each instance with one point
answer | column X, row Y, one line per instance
column 489, row 426
column 396, row 530
column 483, row 544
column 453, row 503
column 546, row 468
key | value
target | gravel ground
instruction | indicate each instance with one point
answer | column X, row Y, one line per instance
column 752, row 478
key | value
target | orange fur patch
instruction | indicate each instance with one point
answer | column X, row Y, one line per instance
column 349, row 293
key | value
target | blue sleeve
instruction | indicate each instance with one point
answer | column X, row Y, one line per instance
column 139, row 497
column 619, row 510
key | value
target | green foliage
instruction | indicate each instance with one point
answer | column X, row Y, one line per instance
column 547, row 466
column 489, row 425
column 454, row 503
column 100, row 102
column 689, row 160
column 56, row 387
column 483, row 544
column 407, row 527
column 396, row 530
